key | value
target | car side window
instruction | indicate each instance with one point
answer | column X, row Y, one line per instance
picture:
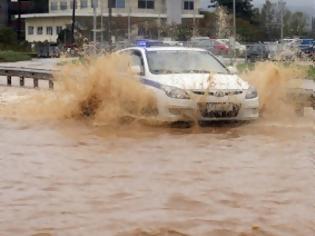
column 137, row 60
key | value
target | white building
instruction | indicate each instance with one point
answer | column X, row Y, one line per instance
column 134, row 15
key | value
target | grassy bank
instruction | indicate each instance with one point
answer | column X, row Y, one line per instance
column 311, row 72
column 12, row 56
column 309, row 68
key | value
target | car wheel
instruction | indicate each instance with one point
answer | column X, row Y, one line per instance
column 181, row 124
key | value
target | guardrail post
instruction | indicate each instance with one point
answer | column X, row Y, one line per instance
column 51, row 84
column 9, row 80
column 22, row 81
column 35, row 82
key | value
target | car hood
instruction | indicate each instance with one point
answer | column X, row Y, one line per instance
column 202, row 81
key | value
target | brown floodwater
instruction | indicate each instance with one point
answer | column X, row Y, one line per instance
column 72, row 178
column 63, row 173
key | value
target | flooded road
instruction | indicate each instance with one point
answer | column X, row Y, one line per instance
column 65, row 174
column 73, row 179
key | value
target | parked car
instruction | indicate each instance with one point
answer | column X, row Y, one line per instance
column 239, row 48
column 290, row 42
column 272, row 50
column 289, row 50
column 220, row 48
column 202, row 42
column 307, row 48
column 306, row 44
column 256, row 51
column 212, row 45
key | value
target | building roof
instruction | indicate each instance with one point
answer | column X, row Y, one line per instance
column 69, row 14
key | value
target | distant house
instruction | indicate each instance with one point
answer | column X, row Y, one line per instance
column 136, row 17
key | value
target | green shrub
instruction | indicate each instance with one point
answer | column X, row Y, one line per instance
column 8, row 36
column 311, row 72
column 11, row 56
column 8, row 41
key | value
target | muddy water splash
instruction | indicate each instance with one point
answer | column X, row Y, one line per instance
column 223, row 23
column 274, row 82
column 100, row 89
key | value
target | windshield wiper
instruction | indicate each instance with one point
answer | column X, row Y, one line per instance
column 162, row 71
column 196, row 71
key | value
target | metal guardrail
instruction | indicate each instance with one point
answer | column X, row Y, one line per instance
column 25, row 73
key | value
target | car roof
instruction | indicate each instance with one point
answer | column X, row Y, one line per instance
column 166, row 48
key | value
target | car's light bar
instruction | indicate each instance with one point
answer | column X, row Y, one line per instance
column 148, row 43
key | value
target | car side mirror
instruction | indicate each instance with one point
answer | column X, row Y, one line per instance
column 136, row 69
column 232, row 69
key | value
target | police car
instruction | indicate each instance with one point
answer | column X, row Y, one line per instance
column 192, row 84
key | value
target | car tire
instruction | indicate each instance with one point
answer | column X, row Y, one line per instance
column 181, row 124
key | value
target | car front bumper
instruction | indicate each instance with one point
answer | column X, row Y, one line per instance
column 172, row 110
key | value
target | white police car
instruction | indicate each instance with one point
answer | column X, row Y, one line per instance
column 191, row 84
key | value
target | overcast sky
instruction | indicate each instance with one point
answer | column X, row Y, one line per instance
column 307, row 6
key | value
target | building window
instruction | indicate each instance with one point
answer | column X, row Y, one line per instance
column 58, row 29
column 63, row 5
column 30, row 30
column 84, row 3
column 71, row 4
column 146, row 4
column 189, row 5
column 49, row 30
column 54, row 5
column 94, row 2
column 118, row 3
column 39, row 30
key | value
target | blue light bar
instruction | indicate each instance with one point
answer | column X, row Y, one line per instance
column 141, row 43
column 148, row 43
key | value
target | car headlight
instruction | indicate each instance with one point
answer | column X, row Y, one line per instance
column 251, row 93
column 174, row 92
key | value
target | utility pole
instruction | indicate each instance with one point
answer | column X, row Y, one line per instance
column 194, row 21
column 159, row 26
column 281, row 5
column 234, row 28
column 102, row 22
column 129, row 24
column 19, row 21
column 94, row 22
column 110, row 7
column 74, row 4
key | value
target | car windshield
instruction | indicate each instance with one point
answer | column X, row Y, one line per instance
column 183, row 61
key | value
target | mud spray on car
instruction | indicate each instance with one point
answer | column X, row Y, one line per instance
column 103, row 91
